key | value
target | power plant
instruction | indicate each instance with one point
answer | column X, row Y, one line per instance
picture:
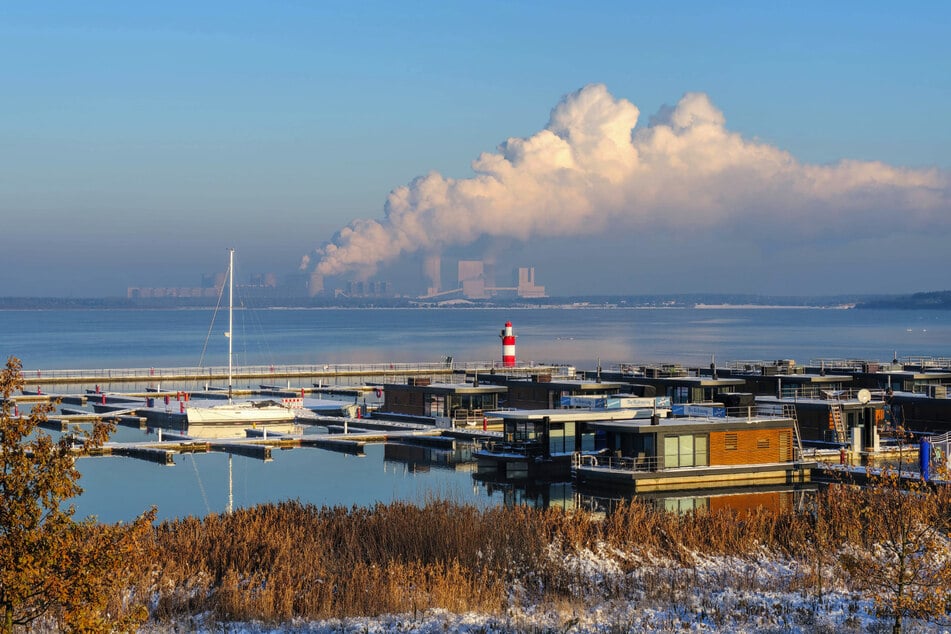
column 474, row 280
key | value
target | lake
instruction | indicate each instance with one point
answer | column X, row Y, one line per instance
column 120, row 488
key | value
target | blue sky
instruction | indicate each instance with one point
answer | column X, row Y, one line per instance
column 139, row 141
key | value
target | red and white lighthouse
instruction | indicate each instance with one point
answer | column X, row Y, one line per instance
column 508, row 346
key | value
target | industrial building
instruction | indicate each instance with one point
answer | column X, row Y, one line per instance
column 475, row 279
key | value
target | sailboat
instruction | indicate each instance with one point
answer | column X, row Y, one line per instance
column 243, row 413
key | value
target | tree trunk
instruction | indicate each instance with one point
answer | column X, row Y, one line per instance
column 7, row 627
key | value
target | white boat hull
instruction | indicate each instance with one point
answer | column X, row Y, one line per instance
column 245, row 413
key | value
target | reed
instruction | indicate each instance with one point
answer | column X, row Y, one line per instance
column 289, row 560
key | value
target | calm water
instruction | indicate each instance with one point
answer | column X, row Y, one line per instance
column 120, row 488
column 144, row 338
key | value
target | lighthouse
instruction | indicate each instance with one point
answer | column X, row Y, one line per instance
column 508, row 346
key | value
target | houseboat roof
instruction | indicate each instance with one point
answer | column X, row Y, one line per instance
column 448, row 388
column 804, row 379
column 693, row 423
column 566, row 415
column 693, row 381
column 848, row 398
column 577, row 385
column 918, row 375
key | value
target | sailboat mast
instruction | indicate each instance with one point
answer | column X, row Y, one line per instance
column 230, row 314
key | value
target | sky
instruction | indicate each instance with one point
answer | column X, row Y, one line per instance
column 617, row 147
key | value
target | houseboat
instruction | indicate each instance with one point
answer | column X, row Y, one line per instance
column 681, row 385
column 785, row 378
column 542, row 442
column 545, row 391
column 746, row 446
column 444, row 405
column 837, row 417
column 915, row 390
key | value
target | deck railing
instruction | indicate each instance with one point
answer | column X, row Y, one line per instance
column 465, row 417
column 657, row 463
column 816, row 392
column 528, row 449
column 748, row 412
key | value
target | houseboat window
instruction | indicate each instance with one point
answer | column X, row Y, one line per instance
column 852, row 419
column 561, row 437
column 671, row 452
column 587, row 441
column 644, row 444
column 679, row 395
column 710, row 393
column 685, row 451
column 701, row 455
column 526, row 432
column 437, row 406
column 556, row 439
column 533, row 431
column 682, row 506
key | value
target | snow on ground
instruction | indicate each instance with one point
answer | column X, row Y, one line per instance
column 713, row 594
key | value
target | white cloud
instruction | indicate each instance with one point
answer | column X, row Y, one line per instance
column 590, row 171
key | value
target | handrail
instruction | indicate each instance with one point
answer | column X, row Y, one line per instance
column 657, row 463
column 825, row 394
column 748, row 412
column 504, row 447
column 34, row 376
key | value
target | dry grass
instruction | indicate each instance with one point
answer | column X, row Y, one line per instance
column 276, row 562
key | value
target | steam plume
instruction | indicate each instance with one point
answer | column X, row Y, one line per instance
column 589, row 170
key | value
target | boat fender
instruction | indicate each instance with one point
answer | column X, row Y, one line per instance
column 379, row 392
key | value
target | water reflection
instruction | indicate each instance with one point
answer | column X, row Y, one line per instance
column 118, row 489
column 539, row 493
column 456, row 456
column 535, row 493
column 778, row 499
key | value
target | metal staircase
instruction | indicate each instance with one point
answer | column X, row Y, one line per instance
column 835, row 412
column 789, row 411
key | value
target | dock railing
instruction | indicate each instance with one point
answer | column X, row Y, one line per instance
column 266, row 372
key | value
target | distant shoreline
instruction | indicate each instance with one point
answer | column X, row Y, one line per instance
column 701, row 301
column 772, row 306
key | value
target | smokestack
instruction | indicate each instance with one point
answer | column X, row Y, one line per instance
column 316, row 284
column 432, row 272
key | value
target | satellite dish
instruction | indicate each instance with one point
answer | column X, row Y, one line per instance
column 864, row 396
